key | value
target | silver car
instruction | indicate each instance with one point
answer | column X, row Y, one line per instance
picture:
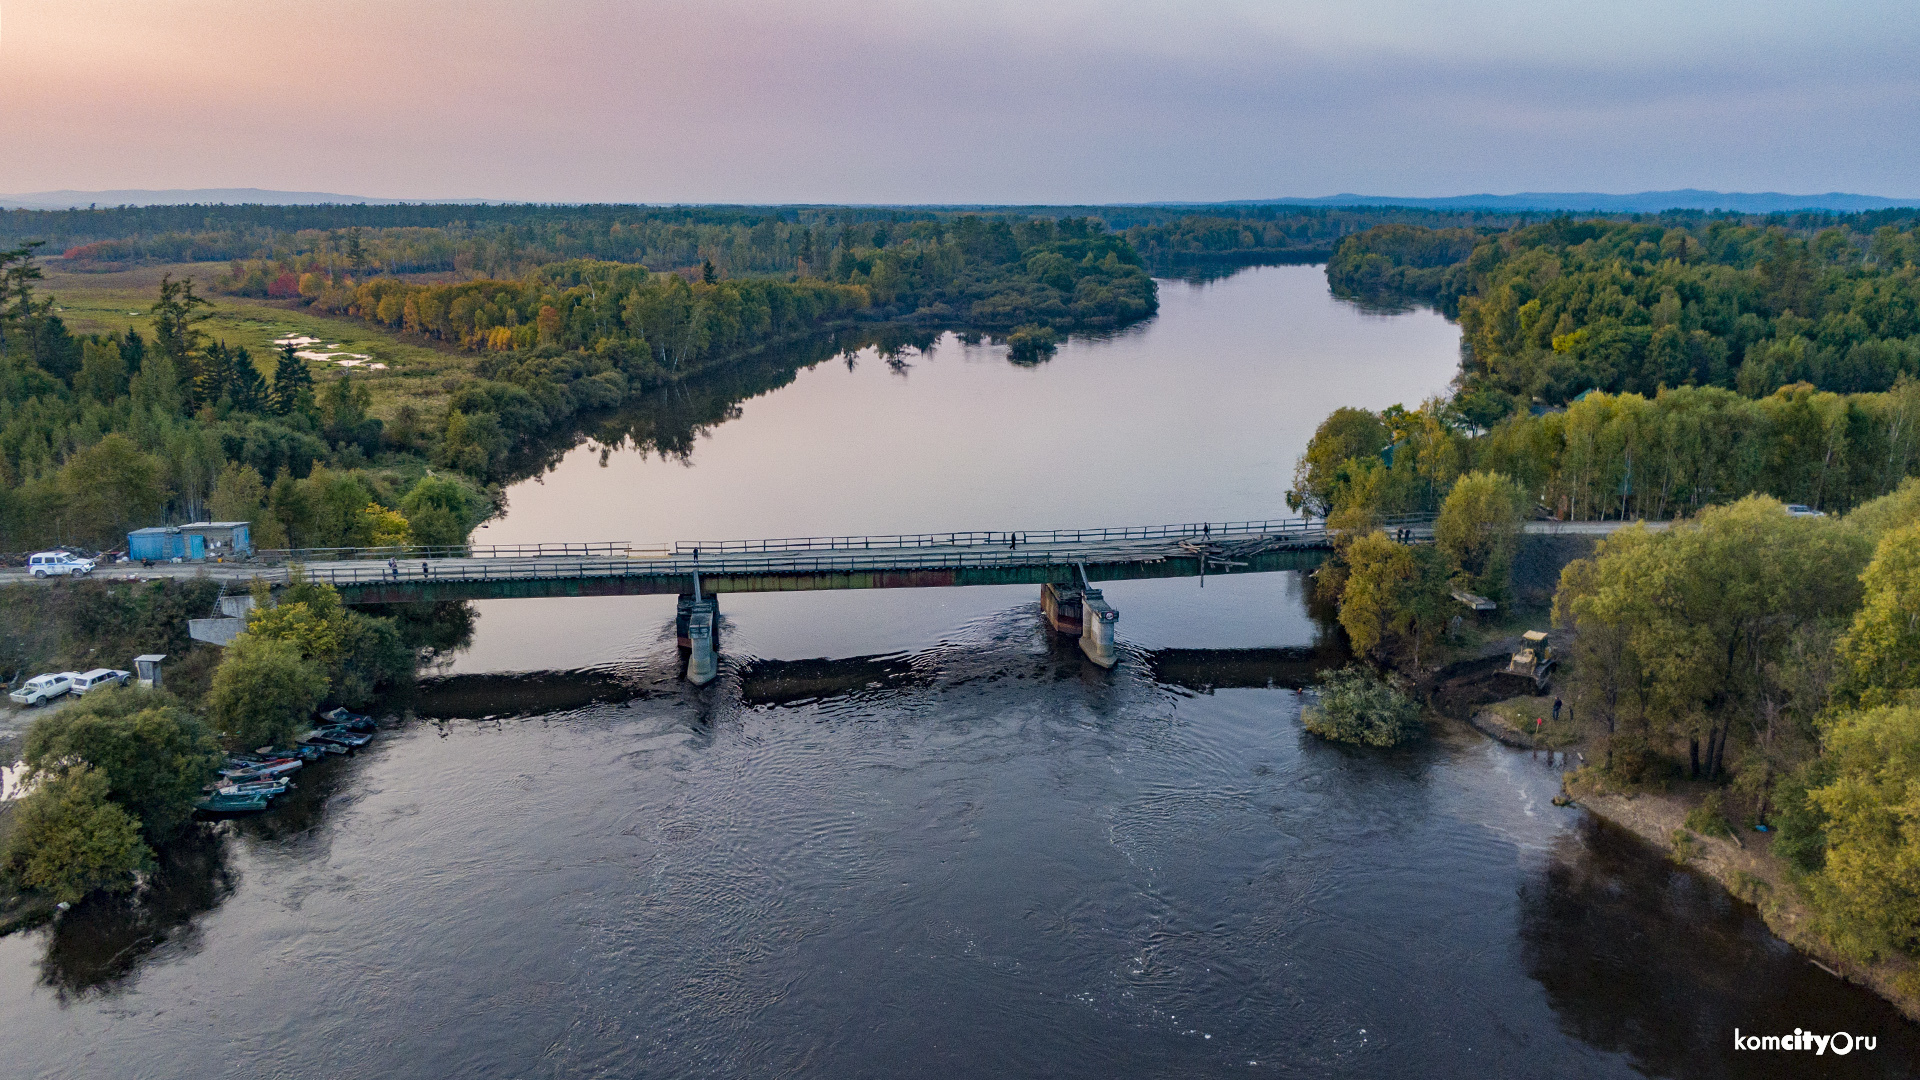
column 99, row 677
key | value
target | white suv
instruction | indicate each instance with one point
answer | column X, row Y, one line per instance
column 99, row 677
column 43, row 688
column 58, row 564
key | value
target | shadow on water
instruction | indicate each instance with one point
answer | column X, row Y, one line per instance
column 795, row 682
column 95, row 948
column 98, row 947
column 1644, row 958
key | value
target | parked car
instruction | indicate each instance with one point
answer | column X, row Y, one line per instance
column 1798, row 510
column 58, row 564
column 43, row 688
column 100, row 677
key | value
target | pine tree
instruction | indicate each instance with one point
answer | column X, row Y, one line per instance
column 244, row 382
column 213, row 375
column 292, row 384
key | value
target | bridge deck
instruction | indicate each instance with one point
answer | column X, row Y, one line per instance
column 925, row 560
column 828, row 563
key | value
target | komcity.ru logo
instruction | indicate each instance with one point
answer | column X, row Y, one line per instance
column 1839, row 1042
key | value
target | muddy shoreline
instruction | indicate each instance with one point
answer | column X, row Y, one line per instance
column 1745, row 866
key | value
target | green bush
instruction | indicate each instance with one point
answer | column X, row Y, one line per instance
column 1031, row 344
column 153, row 754
column 1710, row 817
column 69, row 838
column 264, row 692
column 1358, row 706
column 1800, row 826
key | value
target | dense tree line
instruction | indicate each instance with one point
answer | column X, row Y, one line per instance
column 510, row 238
column 1556, row 309
column 1298, row 234
column 980, row 271
column 1622, row 457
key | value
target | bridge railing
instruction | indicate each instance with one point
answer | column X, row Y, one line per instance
column 601, row 549
column 1015, row 538
column 370, row 573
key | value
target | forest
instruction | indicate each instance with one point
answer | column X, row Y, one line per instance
column 1552, row 310
column 1251, row 236
column 1702, row 371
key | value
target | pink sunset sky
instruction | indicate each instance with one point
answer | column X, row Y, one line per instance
column 937, row 101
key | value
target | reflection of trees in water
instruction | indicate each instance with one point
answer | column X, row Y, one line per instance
column 95, row 947
column 1644, row 958
column 670, row 420
column 435, row 632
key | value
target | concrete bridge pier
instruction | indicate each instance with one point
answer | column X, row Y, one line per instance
column 1096, row 628
column 696, row 623
column 1085, row 614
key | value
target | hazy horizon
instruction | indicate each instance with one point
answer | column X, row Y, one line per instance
column 886, row 102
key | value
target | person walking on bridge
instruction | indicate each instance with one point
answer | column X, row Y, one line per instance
column 393, row 568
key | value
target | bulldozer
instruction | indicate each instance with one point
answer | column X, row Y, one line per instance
column 1535, row 661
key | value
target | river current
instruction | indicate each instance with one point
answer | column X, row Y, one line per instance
column 908, row 833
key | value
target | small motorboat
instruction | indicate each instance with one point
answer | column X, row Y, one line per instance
column 303, row 751
column 244, row 770
column 340, row 735
column 352, row 721
column 269, row 788
column 322, row 747
column 231, row 804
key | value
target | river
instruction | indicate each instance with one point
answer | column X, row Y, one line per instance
column 907, row 833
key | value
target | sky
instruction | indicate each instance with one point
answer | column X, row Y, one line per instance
column 958, row 101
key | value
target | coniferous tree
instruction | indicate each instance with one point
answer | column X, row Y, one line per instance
column 133, row 350
column 292, row 384
column 245, row 385
column 176, row 333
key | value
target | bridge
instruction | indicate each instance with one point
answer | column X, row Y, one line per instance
column 1065, row 563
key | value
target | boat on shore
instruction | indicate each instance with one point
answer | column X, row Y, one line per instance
column 218, row 803
column 352, row 721
column 268, row 788
column 340, row 735
column 241, row 768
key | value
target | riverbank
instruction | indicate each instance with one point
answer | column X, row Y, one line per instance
column 1747, row 868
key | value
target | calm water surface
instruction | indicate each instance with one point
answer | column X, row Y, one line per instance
column 908, row 834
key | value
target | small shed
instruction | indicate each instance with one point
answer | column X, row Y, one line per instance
column 148, row 668
column 220, row 538
column 162, row 542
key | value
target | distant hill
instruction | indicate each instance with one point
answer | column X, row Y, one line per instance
column 68, row 200
column 1645, row 202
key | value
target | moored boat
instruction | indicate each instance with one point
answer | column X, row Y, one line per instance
column 268, row 788
column 303, row 751
column 231, row 804
column 239, row 769
column 340, row 735
column 352, row 721
column 322, row 746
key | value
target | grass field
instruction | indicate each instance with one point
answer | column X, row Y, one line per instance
column 112, row 302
